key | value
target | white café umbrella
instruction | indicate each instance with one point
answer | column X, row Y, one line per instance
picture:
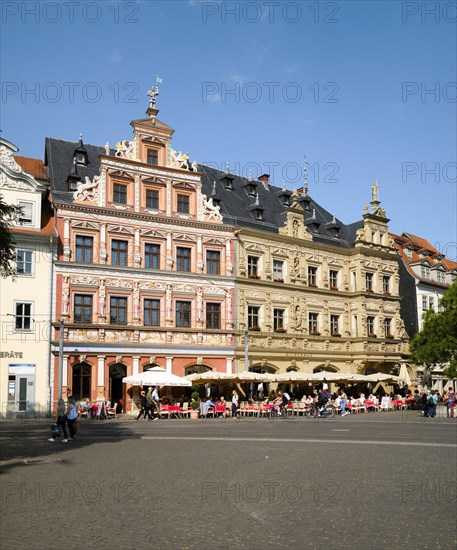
column 157, row 376
column 249, row 376
column 382, row 377
column 209, row 376
column 404, row 374
column 296, row 377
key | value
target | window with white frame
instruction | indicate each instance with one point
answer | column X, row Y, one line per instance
column 431, row 302
column 370, row 326
column 333, row 279
column 23, row 315
column 24, row 262
column 253, row 317
column 253, row 266
column 386, row 284
column 312, row 275
column 334, row 324
column 313, row 323
column 369, row 281
column 424, row 302
column 425, row 272
column 278, row 270
column 409, row 252
column 387, row 327
column 278, row 320
column 26, row 214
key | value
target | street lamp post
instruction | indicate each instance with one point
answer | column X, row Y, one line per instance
column 60, row 373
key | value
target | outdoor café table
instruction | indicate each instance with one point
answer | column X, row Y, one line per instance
column 174, row 410
column 220, row 409
column 397, row 403
column 369, row 404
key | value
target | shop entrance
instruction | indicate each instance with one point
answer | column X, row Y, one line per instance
column 117, row 390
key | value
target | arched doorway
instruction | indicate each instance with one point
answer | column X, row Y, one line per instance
column 149, row 366
column 116, row 387
column 325, row 368
column 81, row 381
column 260, row 390
column 196, row 369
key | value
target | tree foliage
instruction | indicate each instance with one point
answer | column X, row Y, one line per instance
column 437, row 341
column 8, row 214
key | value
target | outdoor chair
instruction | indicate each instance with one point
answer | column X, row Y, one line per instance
column 185, row 409
column 164, row 411
column 111, row 411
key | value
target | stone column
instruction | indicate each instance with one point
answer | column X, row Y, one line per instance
column 169, row 364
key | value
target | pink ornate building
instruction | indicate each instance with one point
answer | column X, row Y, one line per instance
column 145, row 265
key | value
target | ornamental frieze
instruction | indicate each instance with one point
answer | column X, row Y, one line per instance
column 82, row 335
column 84, row 280
column 184, row 288
column 154, row 337
column 185, row 338
column 214, row 290
column 153, row 171
column 118, row 336
column 151, row 284
column 119, row 283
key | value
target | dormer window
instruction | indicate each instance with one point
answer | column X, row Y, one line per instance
column 409, row 253
column 227, row 181
column 251, row 190
column 80, row 153
column 81, row 158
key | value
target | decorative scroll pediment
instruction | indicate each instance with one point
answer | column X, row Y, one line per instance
column 155, row 180
column 186, row 238
column 214, row 241
column 153, row 233
column 254, row 247
column 154, row 140
column 84, row 224
column 280, row 252
column 183, row 185
column 121, row 174
column 121, row 229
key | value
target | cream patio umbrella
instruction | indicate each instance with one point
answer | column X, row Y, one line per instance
column 248, row 376
column 404, row 374
column 382, row 377
column 295, row 377
column 157, row 376
column 209, row 376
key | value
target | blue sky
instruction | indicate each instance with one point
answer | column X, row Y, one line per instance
column 366, row 90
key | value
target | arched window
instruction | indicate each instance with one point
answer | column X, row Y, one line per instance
column 196, row 369
column 262, row 369
column 82, row 375
column 326, row 368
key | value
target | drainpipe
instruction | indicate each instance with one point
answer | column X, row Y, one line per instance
column 51, row 245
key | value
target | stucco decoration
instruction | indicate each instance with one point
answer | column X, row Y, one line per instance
column 179, row 160
column 11, row 174
column 125, row 149
column 211, row 211
column 87, row 190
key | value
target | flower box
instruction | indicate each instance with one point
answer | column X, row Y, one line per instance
column 278, row 280
column 336, row 335
column 315, row 333
column 253, row 276
column 254, row 328
column 313, row 285
column 386, row 293
column 390, row 336
column 369, row 290
column 281, row 330
column 372, row 336
column 333, row 288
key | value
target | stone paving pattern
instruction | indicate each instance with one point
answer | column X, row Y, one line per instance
column 249, row 483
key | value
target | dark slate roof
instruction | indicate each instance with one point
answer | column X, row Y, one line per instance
column 58, row 158
column 236, row 208
column 236, row 205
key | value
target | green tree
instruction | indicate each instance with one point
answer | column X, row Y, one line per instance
column 8, row 214
column 437, row 341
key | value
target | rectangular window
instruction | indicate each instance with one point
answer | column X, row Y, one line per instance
column 253, row 317
column 431, row 302
column 182, row 259
column 313, row 323
column 23, row 316
column 370, row 326
column 278, row 270
column 386, row 284
column 409, row 252
column 278, row 319
column 83, row 308
column 213, row 262
column 334, row 324
column 153, row 157
column 312, row 276
column 24, row 262
column 152, row 256
column 253, row 266
column 183, row 204
column 119, row 252
column 151, row 312
column 118, row 311
column 424, row 302
column 119, row 193
column 152, row 199
column 183, row 314
column 333, row 279
column 387, row 327
column 213, row 315
column 26, row 213
column 84, row 249
column 369, row 281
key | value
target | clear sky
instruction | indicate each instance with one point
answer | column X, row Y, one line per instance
column 366, row 90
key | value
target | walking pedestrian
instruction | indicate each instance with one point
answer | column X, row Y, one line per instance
column 143, row 405
column 432, row 400
column 61, row 421
column 149, row 410
column 343, row 401
column 156, row 400
column 235, row 401
column 72, row 415
column 450, row 402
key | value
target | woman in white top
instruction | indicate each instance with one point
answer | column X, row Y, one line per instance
column 234, row 403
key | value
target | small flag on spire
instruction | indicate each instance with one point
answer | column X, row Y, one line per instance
column 159, row 80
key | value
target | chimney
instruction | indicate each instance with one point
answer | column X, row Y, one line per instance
column 264, row 179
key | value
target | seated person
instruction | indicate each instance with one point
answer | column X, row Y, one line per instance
column 209, row 404
column 362, row 398
column 309, row 400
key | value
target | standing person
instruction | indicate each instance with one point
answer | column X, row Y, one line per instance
column 432, row 400
column 450, row 400
column 72, row 415
column 61, row 420
column 424, row 399
column 143, row 405
column 343, row 401
column 235, row 401
column 156, row 399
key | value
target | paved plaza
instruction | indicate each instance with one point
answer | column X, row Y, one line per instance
column 381, row 480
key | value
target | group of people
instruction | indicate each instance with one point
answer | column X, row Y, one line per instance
column 150, row 404
column 66, row 415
